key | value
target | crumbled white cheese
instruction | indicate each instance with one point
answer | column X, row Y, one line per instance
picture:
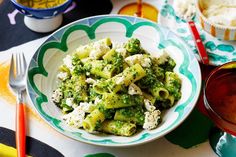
column 163, row 58
column 85, row 60
column 122, row 51
column 82, row 48
column 146, row 62
column 131, row 60
column 143, row 60
column 148, row 105
column 68, row 62
column 151, row 119
column 87, row 73
column 98, row 50
column 107, row 68
column 69, row 101
column 86, row 107
column 97, row 100
column 90, row 81
column 119, row 48
column 57, row 95
column 120, row 79
column 134, row 89
column 62, row 76
column 117, row 45
column 75, row 118
column 93, row 53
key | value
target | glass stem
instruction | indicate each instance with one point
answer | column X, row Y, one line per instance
column 222, row 143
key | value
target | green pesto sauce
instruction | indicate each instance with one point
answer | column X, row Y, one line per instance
column 169, row 65
column 133, row 46
column 118, row 124
column 135, row 75
column 148, row 80
column 108, row 113
column 118, row 61
column 136, row 114
column 126, row 99
column 127, row 112
column 76, row 87
column 98, row 124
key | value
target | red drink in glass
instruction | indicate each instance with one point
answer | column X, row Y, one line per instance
column 220, row 102
column 220, row 98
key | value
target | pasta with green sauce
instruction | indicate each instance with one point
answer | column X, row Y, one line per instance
column 115, row 88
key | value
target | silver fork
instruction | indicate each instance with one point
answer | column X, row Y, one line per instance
column 17, row 77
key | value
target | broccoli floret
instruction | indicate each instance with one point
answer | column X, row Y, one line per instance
column 148, row 80
column 169, row 65
column 133, row 46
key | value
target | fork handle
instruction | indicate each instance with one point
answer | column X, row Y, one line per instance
column 20, row 129
column 198, row 41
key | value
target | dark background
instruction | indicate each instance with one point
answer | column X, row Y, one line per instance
column 13, row 35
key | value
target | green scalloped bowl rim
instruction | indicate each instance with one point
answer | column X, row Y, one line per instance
column 131, row 24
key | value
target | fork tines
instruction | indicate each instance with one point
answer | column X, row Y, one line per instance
column 18, row 64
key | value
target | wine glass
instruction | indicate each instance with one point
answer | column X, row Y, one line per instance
column 220, row 102
column 140, row 9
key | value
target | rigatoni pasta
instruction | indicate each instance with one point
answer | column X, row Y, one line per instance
column 113, row 100
column 118, row 127
column 115, row 88
column 93, row 120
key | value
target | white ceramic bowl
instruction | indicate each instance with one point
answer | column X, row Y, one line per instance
column 42, row 71
column 216, row 30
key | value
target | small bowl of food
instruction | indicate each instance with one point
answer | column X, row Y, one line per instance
column 42, row 16
column 114, row 80
column 218, row 18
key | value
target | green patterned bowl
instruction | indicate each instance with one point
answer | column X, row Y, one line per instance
column 219, row 51
column 42, row 71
